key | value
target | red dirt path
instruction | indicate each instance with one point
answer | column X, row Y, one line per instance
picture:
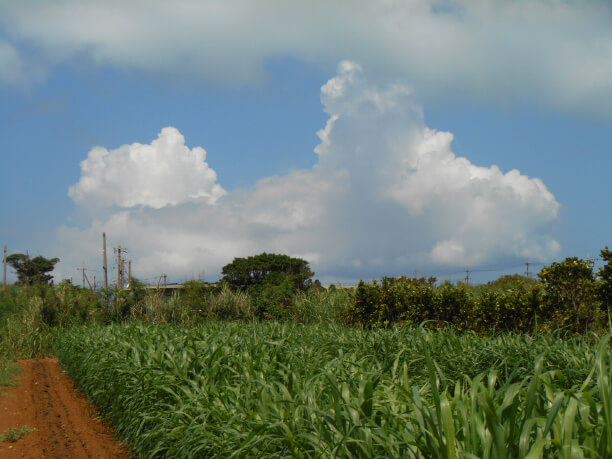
column 45, row 399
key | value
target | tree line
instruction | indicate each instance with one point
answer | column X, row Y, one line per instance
column 566, row 295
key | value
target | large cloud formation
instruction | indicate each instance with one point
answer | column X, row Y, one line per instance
column 553, row 52
column 387, row 195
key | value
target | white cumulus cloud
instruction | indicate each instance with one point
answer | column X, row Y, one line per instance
column 166, row 172
column 386, row 195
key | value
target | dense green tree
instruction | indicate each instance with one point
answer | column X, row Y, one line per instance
column 569, row 291
column 267, row 269
column 271, row 280
column 32, row 271
column 605, row 278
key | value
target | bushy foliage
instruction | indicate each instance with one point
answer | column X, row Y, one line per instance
column 512, row 281
column 196, row 301
column 30, row 317
column 196, row 293
column 569, row 298
column 273, row 299
column 271, row 280
column 510, row 310
column 564, row 299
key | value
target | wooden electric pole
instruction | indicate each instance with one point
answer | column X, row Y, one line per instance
column 105, row 267
column 467, row 276
column 85, row 278
column 527, row 273
column 4, row 267
column 119, row 267
column 83, row 271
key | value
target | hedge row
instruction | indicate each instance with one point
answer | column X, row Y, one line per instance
column 524, row 308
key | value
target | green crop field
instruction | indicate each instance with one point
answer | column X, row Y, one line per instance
column 268, row 389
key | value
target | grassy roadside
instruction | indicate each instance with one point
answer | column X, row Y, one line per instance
column 8, row 371
column 23, row 333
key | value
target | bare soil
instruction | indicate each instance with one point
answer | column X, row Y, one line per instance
column 66, row 425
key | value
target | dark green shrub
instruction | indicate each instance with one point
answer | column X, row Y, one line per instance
column 453, row 306
column 49, row 304
column 274, row 300
column 365, row 304
column 569, row 299
column 510, row 310
column 48, row 313
column 196, row 294
column 485, row 312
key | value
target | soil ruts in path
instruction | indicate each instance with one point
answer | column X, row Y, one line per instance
column 45, row 399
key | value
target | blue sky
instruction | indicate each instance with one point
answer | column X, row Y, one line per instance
column 256, row 109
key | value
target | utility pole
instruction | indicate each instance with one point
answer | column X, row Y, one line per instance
column 85, row 278
column 4, row 268
column 123, row 270
column 165, row 280
column 527, row 273
column 129, row 273
column 105, row 267
column 83, row 271
column 467, row 276
column 119, row 267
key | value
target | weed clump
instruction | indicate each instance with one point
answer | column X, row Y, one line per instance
column 15, row 433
